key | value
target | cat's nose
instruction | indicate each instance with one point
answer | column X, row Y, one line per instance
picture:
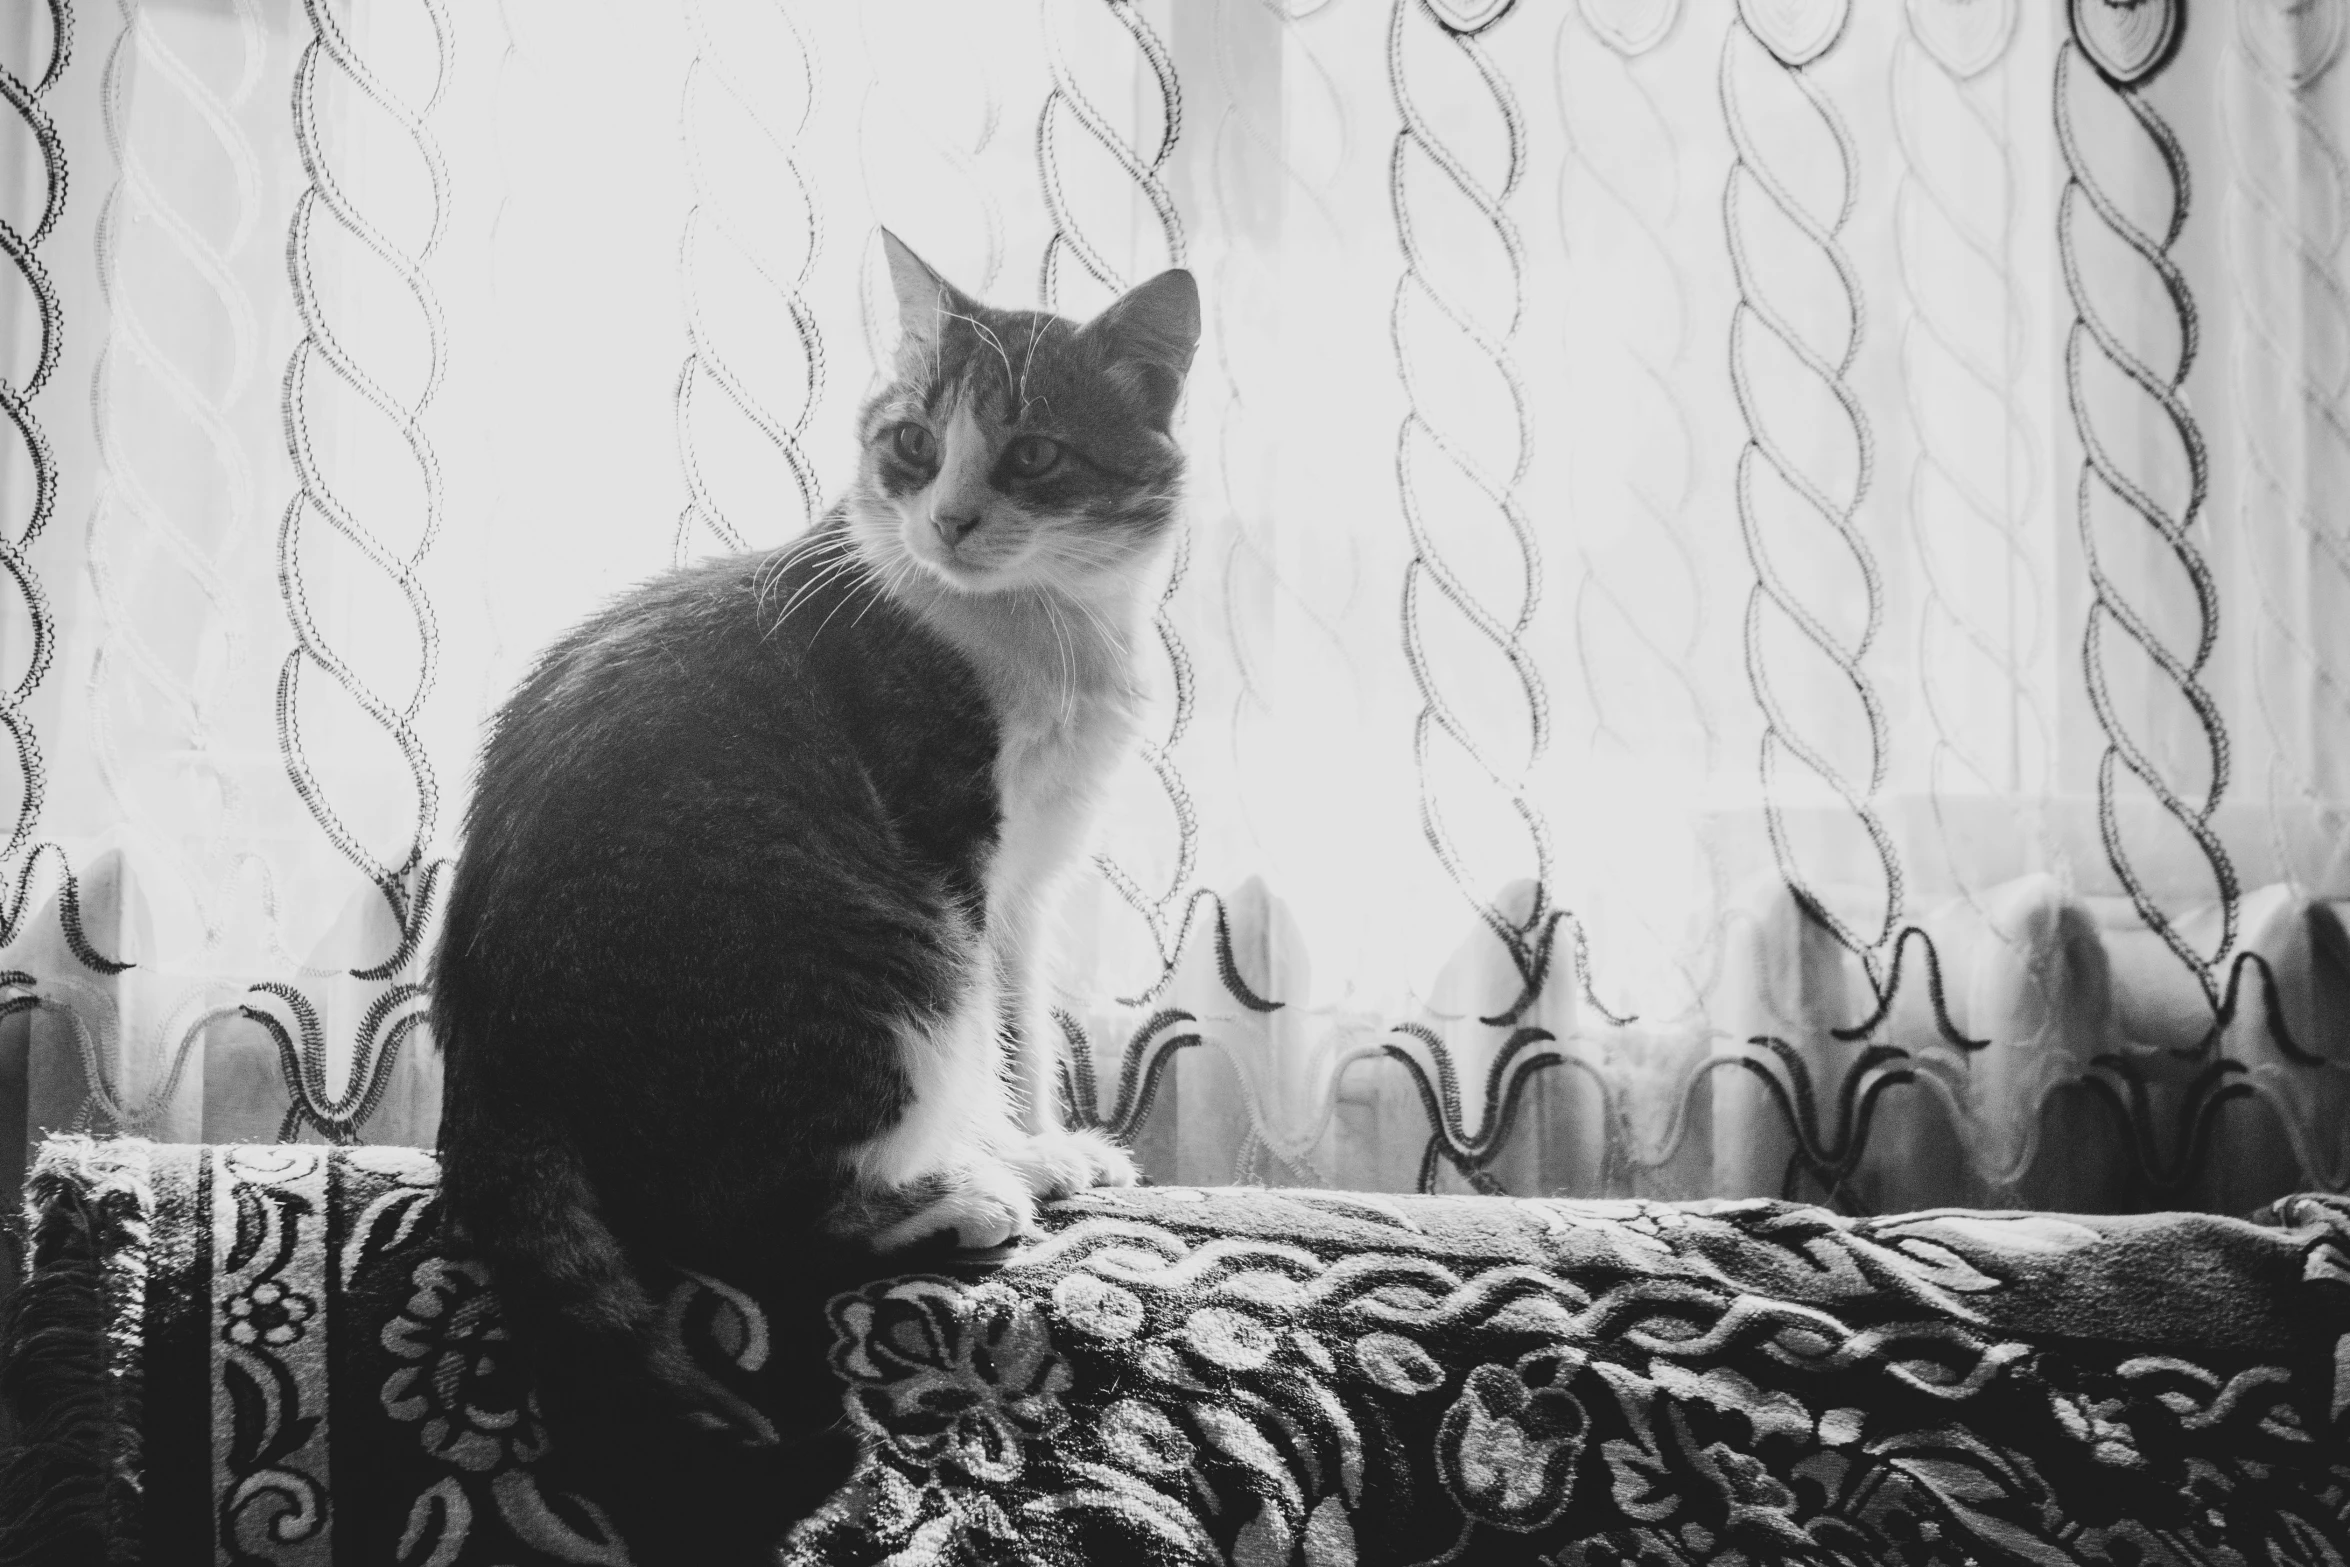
column 954, row 527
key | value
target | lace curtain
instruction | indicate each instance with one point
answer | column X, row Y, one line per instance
column 1765, row 602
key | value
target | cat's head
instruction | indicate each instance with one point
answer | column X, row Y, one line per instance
column 1014, row 449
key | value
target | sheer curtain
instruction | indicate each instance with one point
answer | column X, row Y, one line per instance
column 1764, row 604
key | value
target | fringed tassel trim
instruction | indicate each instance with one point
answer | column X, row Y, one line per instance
column 69, row 1360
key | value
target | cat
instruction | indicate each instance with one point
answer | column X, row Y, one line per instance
column 743, row 956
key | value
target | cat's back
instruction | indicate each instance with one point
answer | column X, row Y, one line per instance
column 775, row 662
column 757, row 714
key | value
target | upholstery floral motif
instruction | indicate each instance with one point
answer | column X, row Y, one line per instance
column 1286, row 1378
column 941, row 1374
column 266, row 1219
column 450, row 1472
column 268, row 1313
column 461, row 1383
column 1507, row 1447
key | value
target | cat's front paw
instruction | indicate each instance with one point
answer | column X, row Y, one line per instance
column 1058, row 1163
column 981, row 1205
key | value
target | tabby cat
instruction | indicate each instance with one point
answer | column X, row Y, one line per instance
column 743, row 950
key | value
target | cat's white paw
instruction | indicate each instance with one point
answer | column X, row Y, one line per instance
column 982, row 1204
column 1056, row 1164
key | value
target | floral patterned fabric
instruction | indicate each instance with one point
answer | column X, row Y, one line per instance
column 313, row 1378
column 299, row 1371
column 1259, row 1378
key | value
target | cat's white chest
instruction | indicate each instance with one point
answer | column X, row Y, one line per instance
column 1049, row 773
column 1065, row 711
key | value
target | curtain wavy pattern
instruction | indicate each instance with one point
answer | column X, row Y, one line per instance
column 1765, row 607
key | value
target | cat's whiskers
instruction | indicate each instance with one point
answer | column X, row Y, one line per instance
column 876, row 587
column 896, row 572
column 1028, row 363
column 771, row 569
column 831, row 571
column 1076, row 543
column 1068, row 657
column 890, row 585
column 1168, row 498
column 986, row 335
column 835, row 610
column 1064, row 571
column 1088, row 553
column 1082, row 574
column 824, row 576
column 1101, row 623
column 851, row 563
column 937, row 341
column 817, row 547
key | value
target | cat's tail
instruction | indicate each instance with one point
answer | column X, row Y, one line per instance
column 600, row 1346
column 621, row 1393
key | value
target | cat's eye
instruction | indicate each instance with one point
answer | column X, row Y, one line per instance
column 915, row 444
column 1032, row 457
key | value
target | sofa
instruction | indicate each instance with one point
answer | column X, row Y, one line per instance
column 274, row 1354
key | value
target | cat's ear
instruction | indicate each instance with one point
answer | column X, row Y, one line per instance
column 1148, row 337
column 925, row 299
